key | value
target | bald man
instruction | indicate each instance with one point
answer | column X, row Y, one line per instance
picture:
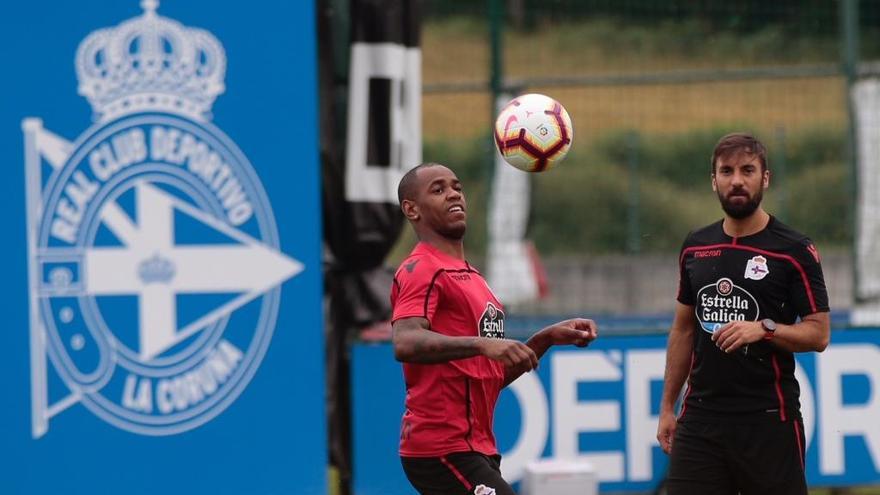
column 448, row 331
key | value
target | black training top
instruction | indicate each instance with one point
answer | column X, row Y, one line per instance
column 774, row 274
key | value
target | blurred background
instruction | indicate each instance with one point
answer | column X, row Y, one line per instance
column 650, row 85
column 321, row 107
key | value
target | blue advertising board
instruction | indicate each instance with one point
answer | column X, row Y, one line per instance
column 162, row 290
column 601, row 405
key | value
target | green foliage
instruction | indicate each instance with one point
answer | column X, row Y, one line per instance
column 743, row 16
column 575, row 208
column 812, row 147
column 586, row 205
column 681, row 159
column 589, row 200
column 820, row 205
column 689, row 38
column 869, row 43
column 470, row 159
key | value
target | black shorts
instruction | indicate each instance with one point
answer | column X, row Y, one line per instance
column 760, row 458
column 464, row 473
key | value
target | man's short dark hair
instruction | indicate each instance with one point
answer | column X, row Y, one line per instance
column 406, row 187
column 739, row 142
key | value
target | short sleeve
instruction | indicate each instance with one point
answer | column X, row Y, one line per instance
column 807, row 287
column 685, row 293
column 416, row 290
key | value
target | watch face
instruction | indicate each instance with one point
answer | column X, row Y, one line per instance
column 768, row 324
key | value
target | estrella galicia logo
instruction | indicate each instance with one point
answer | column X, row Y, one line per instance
column 154, row 260
column 722, row 302
column 492, row 322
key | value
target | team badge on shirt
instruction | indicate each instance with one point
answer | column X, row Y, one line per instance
column 484, row 490
column 492, row 322
column 756, row 268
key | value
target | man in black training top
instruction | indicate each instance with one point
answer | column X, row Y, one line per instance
column 751, row 294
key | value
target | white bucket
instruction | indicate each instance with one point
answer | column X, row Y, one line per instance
column 560, row 477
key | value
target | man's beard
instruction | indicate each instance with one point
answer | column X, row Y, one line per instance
column 741, row 210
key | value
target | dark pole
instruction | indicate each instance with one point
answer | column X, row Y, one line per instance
column 634, row 236
column 849, row 58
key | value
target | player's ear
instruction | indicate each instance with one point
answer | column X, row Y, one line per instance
column 766, row 179
column 714, row 185
column 410, row 209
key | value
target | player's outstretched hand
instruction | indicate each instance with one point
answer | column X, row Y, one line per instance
column 511, row 353
column 577, row 331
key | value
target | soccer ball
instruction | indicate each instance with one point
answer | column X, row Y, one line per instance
column 533, row 132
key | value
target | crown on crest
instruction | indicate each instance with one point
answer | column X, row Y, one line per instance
column 150, row 62
column 156, row 270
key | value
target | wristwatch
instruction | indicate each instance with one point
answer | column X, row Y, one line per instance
column 769, row 327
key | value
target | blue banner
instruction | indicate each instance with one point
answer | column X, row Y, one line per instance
column 601, row 405
column 162, row 291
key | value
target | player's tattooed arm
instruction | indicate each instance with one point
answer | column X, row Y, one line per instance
column 576, row 331
column 414, row 342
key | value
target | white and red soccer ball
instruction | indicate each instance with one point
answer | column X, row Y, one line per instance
column 533, row 132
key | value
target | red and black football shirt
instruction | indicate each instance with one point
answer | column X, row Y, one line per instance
column 775, row 273
column 449, row 406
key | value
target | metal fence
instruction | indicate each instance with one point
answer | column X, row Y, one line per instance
column 650, row 86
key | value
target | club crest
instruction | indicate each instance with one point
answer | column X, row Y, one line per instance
column 756, row 268
column 154, row 259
